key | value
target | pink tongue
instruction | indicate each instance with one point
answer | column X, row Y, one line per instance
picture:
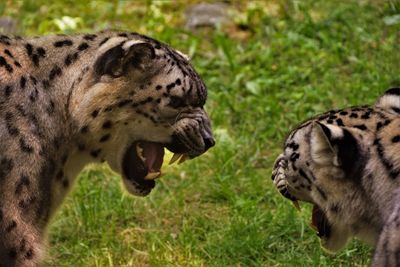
column 154, row 154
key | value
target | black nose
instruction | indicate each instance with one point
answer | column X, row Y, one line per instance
column 208, row 142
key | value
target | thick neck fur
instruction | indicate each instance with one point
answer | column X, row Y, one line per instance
column 38, row 155
column 42, row 82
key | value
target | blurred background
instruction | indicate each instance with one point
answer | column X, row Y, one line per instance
column 268, row 66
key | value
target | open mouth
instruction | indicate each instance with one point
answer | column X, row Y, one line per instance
column 142, row 163
column 320, row 223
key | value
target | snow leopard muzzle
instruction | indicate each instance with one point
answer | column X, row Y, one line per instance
column 192, row 134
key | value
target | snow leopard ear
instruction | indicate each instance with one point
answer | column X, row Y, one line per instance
column 117, row 60
column 321, row 147
column 333, row 145
column 390, row 101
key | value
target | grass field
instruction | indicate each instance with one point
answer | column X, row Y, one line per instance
column 275, row 64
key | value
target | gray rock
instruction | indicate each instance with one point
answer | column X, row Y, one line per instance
column 8, row 25
column 206, row 15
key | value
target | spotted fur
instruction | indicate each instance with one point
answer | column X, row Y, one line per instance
column 347, row 163
column 66, row 101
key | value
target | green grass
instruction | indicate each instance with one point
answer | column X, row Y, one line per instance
column 276, row 64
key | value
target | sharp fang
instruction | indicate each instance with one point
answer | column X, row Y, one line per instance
column 183, row 159
column 139, row 152
column 152, row 175
column 174, row 158
column 296, row 205
column 313, row 227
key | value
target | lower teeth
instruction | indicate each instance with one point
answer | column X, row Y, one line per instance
column 152, row 175
column 183, row 159
column 174, row 158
